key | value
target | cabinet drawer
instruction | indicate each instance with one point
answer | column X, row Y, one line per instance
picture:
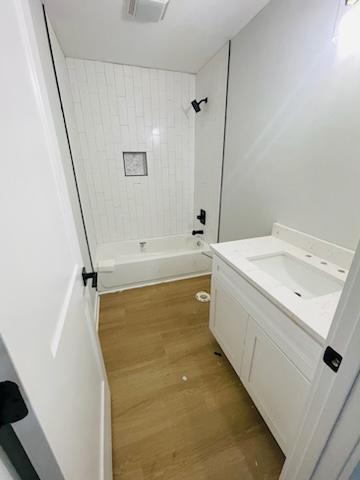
column 301, row 349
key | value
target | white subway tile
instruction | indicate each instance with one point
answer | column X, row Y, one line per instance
column 122, row 108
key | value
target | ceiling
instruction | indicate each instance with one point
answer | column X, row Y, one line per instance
column 191, row 33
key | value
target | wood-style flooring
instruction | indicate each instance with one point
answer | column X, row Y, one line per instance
column 179, row 412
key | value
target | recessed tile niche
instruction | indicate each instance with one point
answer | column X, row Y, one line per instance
column 135, row 164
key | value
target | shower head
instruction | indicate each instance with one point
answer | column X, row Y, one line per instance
column 196, row 104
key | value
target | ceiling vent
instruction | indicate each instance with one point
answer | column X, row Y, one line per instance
column 147, row 10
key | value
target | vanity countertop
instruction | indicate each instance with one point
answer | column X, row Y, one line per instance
column 314, row 315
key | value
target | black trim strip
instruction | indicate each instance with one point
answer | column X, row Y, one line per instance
column 16, row 454
column 223, row 156
column 67, row 137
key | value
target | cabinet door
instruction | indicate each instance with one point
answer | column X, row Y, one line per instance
column 277, row 387
column 228, row 321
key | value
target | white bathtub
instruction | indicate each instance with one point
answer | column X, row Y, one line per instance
column 128, row 264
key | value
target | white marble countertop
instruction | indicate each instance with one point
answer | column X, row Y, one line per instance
column 314, row 315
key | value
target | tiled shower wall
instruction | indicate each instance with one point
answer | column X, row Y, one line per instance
column 121, row 108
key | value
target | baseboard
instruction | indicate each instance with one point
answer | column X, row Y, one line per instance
column 155, row 282
column 105, row 434
column 97, row 311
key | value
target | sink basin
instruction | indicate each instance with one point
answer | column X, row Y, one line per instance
column 304, row 280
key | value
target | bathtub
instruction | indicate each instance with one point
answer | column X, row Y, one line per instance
column 135, row 263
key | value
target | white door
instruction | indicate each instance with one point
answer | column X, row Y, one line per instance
column 51, row 58
column 43, row 320
column 342, row 463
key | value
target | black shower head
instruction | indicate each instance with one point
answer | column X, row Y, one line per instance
column 196, row 104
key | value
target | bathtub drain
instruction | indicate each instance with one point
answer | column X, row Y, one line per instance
column 202, row 297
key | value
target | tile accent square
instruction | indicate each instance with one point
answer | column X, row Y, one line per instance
column 135, row 164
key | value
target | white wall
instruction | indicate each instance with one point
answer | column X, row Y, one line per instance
column 292, row 143
column 211, row 82
column 120, row 108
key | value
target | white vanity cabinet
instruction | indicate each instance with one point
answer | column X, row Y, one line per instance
column 274, row 358
column 229, row 321
column 275, row 384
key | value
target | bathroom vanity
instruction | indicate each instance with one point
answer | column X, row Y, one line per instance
column 273, row 301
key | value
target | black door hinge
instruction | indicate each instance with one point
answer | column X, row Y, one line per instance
column 332, row 359
column 86, row 276
column 12, row 405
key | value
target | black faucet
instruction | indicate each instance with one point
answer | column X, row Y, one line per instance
column 197, row 232
column 202, row 217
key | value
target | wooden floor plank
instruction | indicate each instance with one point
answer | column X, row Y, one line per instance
column 204, row 428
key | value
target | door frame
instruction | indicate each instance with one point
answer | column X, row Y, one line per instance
column 330, row 391
column 81, row 229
